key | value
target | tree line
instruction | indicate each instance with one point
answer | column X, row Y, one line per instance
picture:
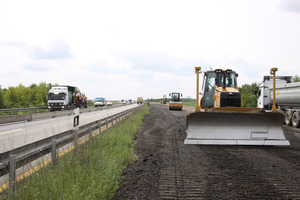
column 36, row 95
column 21, row 96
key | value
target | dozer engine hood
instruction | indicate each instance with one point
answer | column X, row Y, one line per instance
column 228, row 97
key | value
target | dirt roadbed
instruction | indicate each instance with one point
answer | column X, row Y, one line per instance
column 168, row 169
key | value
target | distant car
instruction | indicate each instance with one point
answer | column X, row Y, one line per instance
column 124, row 102
column 97, row 104
column 109, row 103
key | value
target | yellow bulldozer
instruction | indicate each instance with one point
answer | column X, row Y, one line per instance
column 219, row 119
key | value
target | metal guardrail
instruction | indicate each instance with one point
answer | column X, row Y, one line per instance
column 39, row 115
column 11, row 110
column 12, row 160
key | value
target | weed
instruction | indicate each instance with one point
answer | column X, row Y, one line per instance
column 93, row 171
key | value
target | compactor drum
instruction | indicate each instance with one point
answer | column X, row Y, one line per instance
column 219, row 118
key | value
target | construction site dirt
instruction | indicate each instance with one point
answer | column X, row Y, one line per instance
column 168, row 169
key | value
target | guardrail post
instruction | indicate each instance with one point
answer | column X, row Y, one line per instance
column 99, row 126
column 75, row 138
column 12, row 175
column 106, row 124
column 53, row 153
column 90, row 132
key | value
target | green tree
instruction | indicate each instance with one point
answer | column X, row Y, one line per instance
column 1, row 98
column 10, row 98
column 247, row 92
column 22, row 96
column 296, row 78
column 39, row 100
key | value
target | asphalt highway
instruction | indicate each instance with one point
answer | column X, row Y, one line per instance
column 16, row 135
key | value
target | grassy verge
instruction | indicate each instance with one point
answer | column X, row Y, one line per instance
column 193, row 104
column 93, row 171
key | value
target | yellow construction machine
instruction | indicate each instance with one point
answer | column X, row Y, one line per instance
column 175, row 103
column 139, row 100
column 219, row 118
column 163, row 100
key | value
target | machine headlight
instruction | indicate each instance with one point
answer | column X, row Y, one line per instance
column 228, row 71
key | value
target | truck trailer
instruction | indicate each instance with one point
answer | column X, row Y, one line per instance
column 65, row 97
column 287, row 97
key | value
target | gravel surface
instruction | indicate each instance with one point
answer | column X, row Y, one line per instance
column 168, row 169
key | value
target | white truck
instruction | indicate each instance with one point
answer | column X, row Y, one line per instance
column 99, row 101
column 65, row 97
column 287, row 97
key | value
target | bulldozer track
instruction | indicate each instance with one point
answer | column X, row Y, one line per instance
column 168, row 169
column 238, row 170
column 178, row 181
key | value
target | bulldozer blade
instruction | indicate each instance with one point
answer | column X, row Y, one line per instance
column 230, row 128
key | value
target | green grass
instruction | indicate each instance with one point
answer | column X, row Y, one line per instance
column 185, row 101
column 189, row 103
column 93, row 171
column 116, row 102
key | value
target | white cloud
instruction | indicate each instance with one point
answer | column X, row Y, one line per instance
column 291, row 5
column 58, row 49
column 124, row 49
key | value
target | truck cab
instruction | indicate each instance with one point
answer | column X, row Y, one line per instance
column 99, row 102
column 265, row 92
column 61, row 97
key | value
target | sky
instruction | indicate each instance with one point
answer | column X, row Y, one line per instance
column 124, row 49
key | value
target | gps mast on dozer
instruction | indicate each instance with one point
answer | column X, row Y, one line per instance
column 219, row 118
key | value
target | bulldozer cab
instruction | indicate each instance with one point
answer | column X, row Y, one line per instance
column 216, row 80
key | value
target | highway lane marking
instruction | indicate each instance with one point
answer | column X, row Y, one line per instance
column 13, row 131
